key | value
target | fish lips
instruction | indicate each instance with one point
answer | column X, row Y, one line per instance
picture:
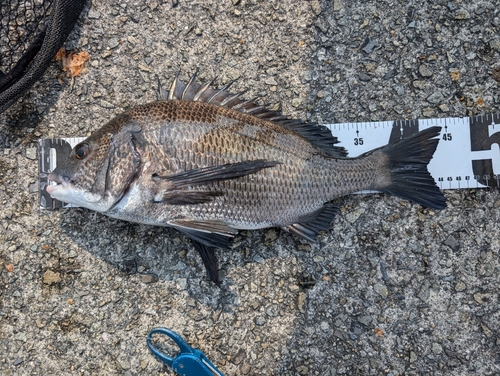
column 56, row 178
column 66, row 191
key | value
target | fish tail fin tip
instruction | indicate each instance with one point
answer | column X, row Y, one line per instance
column 410, row 178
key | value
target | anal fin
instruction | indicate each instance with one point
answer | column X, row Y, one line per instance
column 308, row 227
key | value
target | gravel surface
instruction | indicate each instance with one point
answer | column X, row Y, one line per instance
column 392, row 289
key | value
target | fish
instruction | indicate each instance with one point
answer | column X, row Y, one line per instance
column 208, row 162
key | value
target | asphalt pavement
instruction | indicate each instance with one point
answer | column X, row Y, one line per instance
column 392, row 289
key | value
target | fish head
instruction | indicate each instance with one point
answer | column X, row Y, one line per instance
column 99, row 169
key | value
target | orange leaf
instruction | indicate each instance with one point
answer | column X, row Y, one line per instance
column 73, row 63
column 60, row 54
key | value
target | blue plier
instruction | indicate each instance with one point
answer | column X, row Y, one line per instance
column 188, row 362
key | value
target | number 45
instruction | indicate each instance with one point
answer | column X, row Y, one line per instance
column 446, row 136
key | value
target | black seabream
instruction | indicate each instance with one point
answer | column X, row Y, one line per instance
column 209, row 163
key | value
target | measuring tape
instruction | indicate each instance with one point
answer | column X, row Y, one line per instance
column 467, row 156
column 51, row 152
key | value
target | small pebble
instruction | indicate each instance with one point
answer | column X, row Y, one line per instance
column 31, row 153
column 260, row 321
column 17, row 361
column 437, row 348
column 93, row 15
column 369, row 45
column 149, row 278
column 364, row 77
column 428, row 112
column 425, row 71
column 381, row 289
column 419, row 84
column 270, row 81
column 462, row 14
column 444, row 108
column 51, row 278
column 113, row 43
column 301, row 302
column 294, row 288
column 435, row 97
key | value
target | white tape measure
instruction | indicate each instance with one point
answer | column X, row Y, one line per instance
column 467, row 156
column 51, row 152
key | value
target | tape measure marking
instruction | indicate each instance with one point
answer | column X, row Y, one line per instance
column 467, row 156
column 51, row 152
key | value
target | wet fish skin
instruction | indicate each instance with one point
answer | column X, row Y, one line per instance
column 220, row 164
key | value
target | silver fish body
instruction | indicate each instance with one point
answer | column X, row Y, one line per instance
column 209, row 163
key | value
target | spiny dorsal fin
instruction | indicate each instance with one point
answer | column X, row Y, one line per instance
column 194, row 91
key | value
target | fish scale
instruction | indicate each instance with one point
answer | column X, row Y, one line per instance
column 182, row 135
column 188, row 125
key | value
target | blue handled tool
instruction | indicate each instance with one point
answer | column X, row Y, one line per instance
column 188, row 362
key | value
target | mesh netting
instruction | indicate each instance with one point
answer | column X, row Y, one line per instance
column 20, row 22
column 31, row 33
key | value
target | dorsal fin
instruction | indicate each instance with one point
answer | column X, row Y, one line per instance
column 318, row 135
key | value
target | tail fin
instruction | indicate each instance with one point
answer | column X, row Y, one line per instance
column 408, row 161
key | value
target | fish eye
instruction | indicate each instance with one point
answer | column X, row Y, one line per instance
column 81, row 151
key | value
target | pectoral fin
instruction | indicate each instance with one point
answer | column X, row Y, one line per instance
column 184, row 197
column 206, row 175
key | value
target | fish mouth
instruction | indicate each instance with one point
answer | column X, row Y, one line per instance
column 65, row 191
column 59, row 180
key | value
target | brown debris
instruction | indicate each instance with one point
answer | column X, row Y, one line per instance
column 73, row 63
column 51, row 278
column 455, row 74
